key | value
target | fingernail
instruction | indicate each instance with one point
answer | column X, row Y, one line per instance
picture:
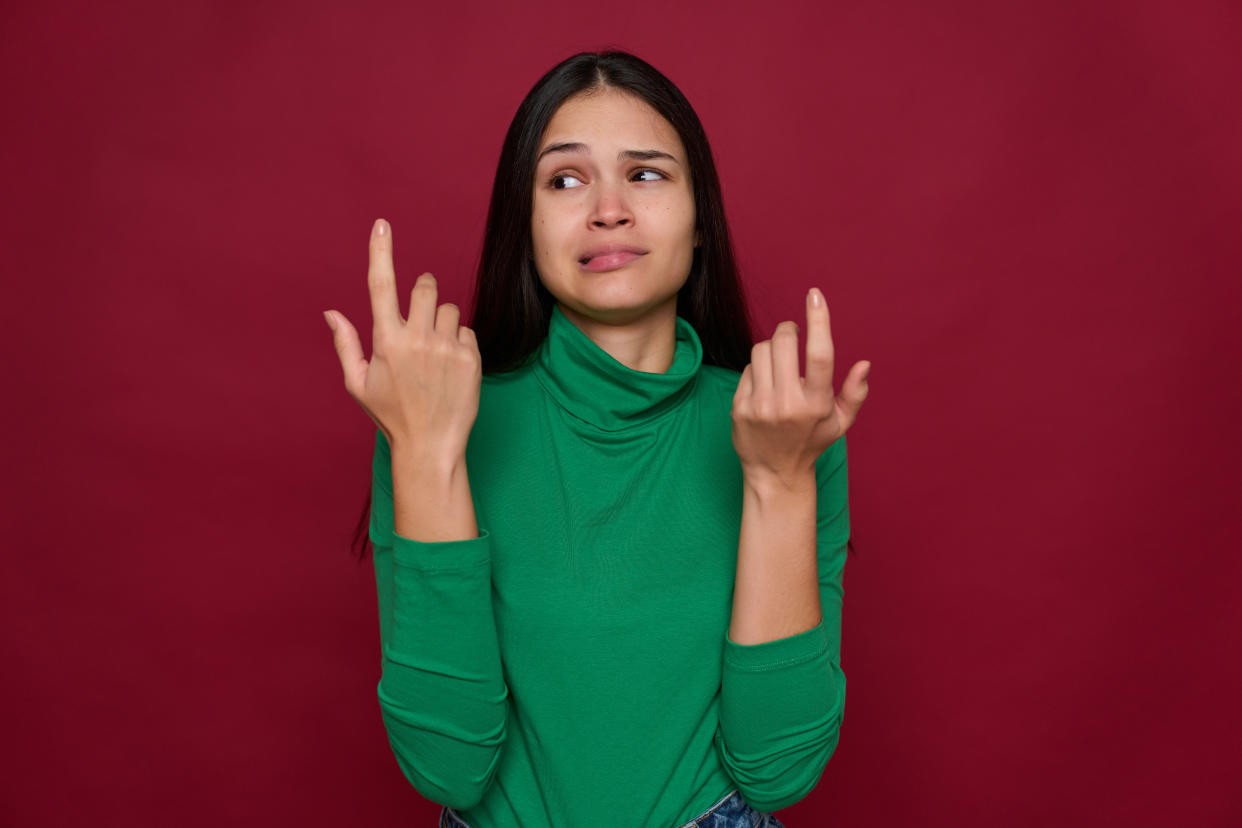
column 867, row 371
column 380, row 227
column 817, row 298
column 328, row 318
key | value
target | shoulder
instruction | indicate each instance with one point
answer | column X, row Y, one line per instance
column 508, row 403
column 499, row 392
column 717, row 382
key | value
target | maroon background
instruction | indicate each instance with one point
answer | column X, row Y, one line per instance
column 1026, row 215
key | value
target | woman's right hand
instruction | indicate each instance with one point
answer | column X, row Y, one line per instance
column 421, row 387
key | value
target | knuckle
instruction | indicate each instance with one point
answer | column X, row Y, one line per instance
column 383, row 345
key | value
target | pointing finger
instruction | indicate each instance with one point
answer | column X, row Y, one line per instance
column 382, row 280
column 819, row 352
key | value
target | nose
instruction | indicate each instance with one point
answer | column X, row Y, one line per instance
column 611, row 207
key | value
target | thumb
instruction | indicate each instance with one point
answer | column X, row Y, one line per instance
column 854, row 390
column 349, row 349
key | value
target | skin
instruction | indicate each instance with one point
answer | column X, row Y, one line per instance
column 589, row 193
column 421, row 386
column 782, row 422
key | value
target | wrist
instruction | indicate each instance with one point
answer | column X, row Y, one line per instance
column 410, row 461
column 767, row 484
column 432, row 501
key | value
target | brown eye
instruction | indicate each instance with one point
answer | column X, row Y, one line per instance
column 658, row 175
column 564, row 181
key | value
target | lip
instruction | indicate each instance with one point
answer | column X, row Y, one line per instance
column 609, row 257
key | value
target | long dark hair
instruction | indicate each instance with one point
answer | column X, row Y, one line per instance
column 512, row 308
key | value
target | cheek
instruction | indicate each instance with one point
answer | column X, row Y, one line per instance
column 677, row 219
column 685, row 225
column 545, row 247
column 539, row 234
column 686, row 215
column 547, row 230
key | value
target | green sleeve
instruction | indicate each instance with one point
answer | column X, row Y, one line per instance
column 442, row 696
column 782, row 702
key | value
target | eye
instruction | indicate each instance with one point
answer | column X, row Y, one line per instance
column 658, row 175
column 564, row 181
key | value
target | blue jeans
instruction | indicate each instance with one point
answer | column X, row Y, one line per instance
column 730, row 812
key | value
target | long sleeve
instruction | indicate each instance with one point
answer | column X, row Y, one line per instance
column 782, row 702
column 442, row 695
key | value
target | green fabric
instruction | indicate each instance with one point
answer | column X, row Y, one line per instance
column 571, row 665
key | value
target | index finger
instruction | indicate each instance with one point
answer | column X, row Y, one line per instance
column 819, row 353
column 381, row 279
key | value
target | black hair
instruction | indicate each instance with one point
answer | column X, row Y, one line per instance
column 512, row 308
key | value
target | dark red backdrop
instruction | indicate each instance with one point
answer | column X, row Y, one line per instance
column 1026, row 215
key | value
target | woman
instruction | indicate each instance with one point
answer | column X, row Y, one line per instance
column 609, row 566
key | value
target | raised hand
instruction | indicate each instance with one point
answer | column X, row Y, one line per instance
column 783, row 422
column 421, row 386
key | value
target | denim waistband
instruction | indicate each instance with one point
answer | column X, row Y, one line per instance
column 730, row 811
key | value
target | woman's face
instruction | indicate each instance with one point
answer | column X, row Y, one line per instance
column 613, row 222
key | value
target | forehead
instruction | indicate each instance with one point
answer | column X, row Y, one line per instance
column 609, row 119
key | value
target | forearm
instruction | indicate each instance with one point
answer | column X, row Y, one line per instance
column 782, row 699
column 776, row 588
column 431, row 497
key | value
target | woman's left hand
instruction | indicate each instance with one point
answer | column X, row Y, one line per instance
column 783, row 422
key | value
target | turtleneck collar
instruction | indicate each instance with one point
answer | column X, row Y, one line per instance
column 590, row 384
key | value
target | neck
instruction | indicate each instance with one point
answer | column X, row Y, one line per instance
column 604, row 395
column 646, row 344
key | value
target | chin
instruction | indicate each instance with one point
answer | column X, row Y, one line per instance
column 622, row 310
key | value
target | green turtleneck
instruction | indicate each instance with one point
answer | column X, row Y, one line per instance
column 571, row 665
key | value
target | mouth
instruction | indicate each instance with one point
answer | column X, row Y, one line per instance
column 609, row 257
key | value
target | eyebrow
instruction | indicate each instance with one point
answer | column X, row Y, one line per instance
column 630, row 155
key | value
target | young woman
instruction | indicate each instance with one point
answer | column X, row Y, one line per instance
column 609, row 565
